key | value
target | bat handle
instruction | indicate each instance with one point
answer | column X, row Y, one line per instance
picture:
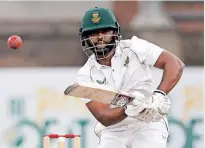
column 122, row 100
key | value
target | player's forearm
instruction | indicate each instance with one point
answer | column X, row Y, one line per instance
column 171, row 75
column 112, row 116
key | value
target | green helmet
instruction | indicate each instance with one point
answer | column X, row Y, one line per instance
column 98, row 18
column 94, row 19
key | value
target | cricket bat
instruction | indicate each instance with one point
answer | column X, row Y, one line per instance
column 98, row 92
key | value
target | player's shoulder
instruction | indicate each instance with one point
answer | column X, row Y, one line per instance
column 133, row 40
column 135, row 44
column 139, row 42
column 125, row 43
column 86, row 68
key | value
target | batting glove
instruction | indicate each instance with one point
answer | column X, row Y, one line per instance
column 157, row 107
column 152, row 109
column 134, row 108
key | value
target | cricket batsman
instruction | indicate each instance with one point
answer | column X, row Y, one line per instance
column 125, row 65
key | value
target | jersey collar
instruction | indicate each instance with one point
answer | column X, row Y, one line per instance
column 118, row 52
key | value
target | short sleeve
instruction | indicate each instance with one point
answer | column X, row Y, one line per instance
column 147, row 52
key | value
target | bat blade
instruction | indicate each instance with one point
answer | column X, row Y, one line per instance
column 98, row 93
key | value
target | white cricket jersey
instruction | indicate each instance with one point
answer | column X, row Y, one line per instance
column 129, row 66
column 129, row 70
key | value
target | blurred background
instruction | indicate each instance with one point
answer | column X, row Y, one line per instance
column 32, row 79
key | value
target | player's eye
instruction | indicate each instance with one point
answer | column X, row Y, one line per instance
column 105, row 31
column 97, row 32
column 93, row 34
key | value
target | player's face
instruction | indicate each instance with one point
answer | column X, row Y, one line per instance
column 101, row 42
column 100, row 38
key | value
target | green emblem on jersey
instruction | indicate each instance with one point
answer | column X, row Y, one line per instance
column 101, row 82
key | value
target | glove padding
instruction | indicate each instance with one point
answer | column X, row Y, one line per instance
column 152, row 109
column 134, row 108
column 162, row 102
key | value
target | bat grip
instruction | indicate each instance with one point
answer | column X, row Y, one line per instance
column 122, row 100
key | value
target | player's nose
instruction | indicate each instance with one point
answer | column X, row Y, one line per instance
column 100, row 35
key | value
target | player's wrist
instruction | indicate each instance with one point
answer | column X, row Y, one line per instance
column 160, row 92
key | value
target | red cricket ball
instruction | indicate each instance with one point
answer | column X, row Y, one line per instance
column 14, row 42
